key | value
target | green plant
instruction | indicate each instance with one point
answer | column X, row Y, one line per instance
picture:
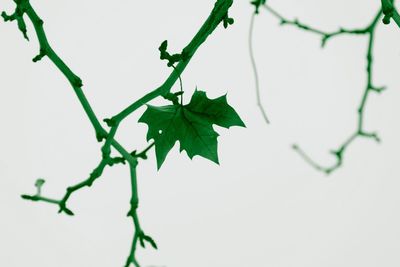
column 190, row 124
column 387, row 12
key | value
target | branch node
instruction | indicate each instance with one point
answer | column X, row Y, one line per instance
column 172, row 59
column 338, row 153
column 100, row 136
column 227, row 20
column 39, row 21
column 77, row 82
column 41, row 54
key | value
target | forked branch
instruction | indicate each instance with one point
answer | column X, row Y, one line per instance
column 359, row 132
column 219, row 14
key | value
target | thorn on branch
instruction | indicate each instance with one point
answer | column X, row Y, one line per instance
column 77, row 82
column 64, row 209
column 338, row 153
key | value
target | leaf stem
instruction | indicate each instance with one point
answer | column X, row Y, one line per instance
column 218, row 14
column 180, row 85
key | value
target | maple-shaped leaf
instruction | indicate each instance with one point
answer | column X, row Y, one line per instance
column 191, row 125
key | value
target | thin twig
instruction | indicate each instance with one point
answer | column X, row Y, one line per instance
column 254, row 66
column 368, row 31
column 324, row 35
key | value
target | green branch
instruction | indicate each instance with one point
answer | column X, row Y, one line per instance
column 359, row 132
column 62, row 203
column 325, row 36
column 219, row 14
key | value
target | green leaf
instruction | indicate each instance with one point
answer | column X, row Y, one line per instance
column 190, row 124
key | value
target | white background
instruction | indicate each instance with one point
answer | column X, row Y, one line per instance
column 264, row 206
